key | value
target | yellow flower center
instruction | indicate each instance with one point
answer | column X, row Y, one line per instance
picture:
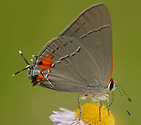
column 90, row 114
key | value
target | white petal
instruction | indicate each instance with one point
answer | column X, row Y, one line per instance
column 66, row 117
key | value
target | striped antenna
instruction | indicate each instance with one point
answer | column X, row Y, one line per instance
column 123, row 101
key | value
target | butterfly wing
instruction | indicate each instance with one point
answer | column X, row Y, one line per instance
column 82, row 53
column 94, row 30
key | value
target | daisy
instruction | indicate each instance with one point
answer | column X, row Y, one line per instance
column 90, row 116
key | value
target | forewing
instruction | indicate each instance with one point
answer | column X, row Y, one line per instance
column 93, row 30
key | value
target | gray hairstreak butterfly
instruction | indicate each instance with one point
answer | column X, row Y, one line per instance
column 79, row 60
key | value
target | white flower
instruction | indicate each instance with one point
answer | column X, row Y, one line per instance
column 66, row 117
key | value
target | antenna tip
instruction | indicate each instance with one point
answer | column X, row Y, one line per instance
column 20, row 52
column 13, row 75
column 129, row 113
column 129, row 100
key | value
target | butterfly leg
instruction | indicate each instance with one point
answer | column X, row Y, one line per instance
column 79, row 106
column 108, row 104
column 100, row 110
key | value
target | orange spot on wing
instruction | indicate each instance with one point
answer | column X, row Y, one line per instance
column 40, row 77
column 46, row 62
column 112, row 80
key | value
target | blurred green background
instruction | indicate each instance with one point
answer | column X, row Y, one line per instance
column 27, row 25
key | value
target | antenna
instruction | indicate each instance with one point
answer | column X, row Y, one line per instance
column 27, row 67
column 124, row 92
column 124, row 101
column 23, row 57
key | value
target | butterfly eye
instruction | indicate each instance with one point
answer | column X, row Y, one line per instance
column 111, row 86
